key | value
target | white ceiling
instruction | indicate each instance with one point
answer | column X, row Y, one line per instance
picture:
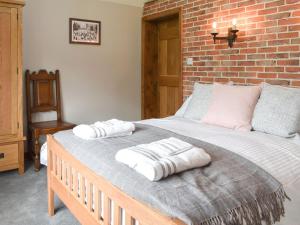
column 138, row 3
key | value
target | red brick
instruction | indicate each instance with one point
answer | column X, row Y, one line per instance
column 267, row 49
column 254, row 81
column 238, row 80
column 289, row 76
column 296, row 83
column 288, row 48
column 275, row 3
column 267, row 11
column 267, row 75
column 290, row 7
column 255, row 68
column 289, row 35
column 294, row 28
column 277, row 55
column 278, row 16
column 293, row 70
column 247, row 74
column 291, row 62
column 288, row 21
column 274, row 69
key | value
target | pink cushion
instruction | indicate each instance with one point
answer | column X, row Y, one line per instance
column 232, row 106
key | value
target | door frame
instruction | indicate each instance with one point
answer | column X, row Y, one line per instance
column 157, row 17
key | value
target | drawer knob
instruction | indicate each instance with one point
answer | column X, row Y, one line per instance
column 1, row 155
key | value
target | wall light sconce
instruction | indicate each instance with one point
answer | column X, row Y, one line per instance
column 231, row 37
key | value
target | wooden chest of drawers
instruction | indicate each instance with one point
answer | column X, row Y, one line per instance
column 10, row 156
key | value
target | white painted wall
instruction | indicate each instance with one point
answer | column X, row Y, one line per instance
column 97, row 82
column 139, row 3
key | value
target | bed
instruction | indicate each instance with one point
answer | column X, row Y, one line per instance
column 94, row 200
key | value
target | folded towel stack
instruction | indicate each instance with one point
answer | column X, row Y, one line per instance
column 105, row 129
column 163, row 158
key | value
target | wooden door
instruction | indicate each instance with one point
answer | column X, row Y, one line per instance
column 161, row 66
column 169, row 74
column 8, row 72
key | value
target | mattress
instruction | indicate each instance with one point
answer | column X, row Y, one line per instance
column 278, row 156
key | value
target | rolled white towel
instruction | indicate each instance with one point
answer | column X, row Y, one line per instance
column 163, row 158
column 105, row 129
column 115, row 127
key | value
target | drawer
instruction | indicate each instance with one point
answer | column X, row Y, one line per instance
column 8, row 154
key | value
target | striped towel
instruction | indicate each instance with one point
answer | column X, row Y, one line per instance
column 163, row 158
column 104, row 129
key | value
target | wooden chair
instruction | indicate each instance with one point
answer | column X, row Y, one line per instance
column 43, row 95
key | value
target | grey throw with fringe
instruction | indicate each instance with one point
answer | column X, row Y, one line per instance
column 231, row 190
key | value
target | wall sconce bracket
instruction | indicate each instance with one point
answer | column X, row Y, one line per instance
column 231, row 38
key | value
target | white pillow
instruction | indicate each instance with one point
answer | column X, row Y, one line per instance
column 278, row 111
column 180, row 112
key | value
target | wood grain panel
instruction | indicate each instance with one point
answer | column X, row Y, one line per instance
column 168, row 29
column 150, row 74
column 169, row 66
column 169, row 100
column 173, row 60
column 8, row 72
column 163, row 57
column 44, row 88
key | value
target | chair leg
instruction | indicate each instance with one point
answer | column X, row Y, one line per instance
column 36, row 151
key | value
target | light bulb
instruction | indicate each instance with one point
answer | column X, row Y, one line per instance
column 234, row 21
column 214, row 25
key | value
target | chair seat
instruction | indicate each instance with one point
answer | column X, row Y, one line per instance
column 50, row 127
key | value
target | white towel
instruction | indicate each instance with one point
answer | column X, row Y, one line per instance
column 163, row 158
column 105, row 129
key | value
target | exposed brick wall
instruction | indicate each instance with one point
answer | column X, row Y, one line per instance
column 268, row 44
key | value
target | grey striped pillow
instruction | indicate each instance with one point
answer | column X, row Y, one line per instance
column 278, row 111
column 198, row 105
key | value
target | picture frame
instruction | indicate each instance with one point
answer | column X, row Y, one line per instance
column 83, row 31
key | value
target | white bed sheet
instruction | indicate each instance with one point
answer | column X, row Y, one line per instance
column 278, row 156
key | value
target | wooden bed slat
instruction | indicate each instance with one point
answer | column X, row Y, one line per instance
column 117, row 214
column 89, row 191
column 75, row 190
column 59, row 168
column 55, row 164
column 63, row 172
column 97, row 204
column 106, row 215
column 69, row 177
column 82, row 189
column 128, row 219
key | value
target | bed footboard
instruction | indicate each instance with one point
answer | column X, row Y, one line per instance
column 91, row 198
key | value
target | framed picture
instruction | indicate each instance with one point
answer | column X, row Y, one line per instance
column 84, row 31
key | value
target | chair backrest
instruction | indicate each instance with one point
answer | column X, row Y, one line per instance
column 43, row 93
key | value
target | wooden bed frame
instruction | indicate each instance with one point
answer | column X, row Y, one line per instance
column 101, row 202
column 91, row 198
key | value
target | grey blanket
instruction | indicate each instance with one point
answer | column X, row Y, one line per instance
column 231, row 190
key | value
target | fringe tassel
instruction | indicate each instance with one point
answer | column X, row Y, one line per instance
column 268, row 208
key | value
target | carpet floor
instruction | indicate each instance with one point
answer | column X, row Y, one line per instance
column 23, row 200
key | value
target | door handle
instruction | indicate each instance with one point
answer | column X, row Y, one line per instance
column 1, row 155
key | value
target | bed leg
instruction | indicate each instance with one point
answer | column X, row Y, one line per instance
column 50, row 202
column 49, row 169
